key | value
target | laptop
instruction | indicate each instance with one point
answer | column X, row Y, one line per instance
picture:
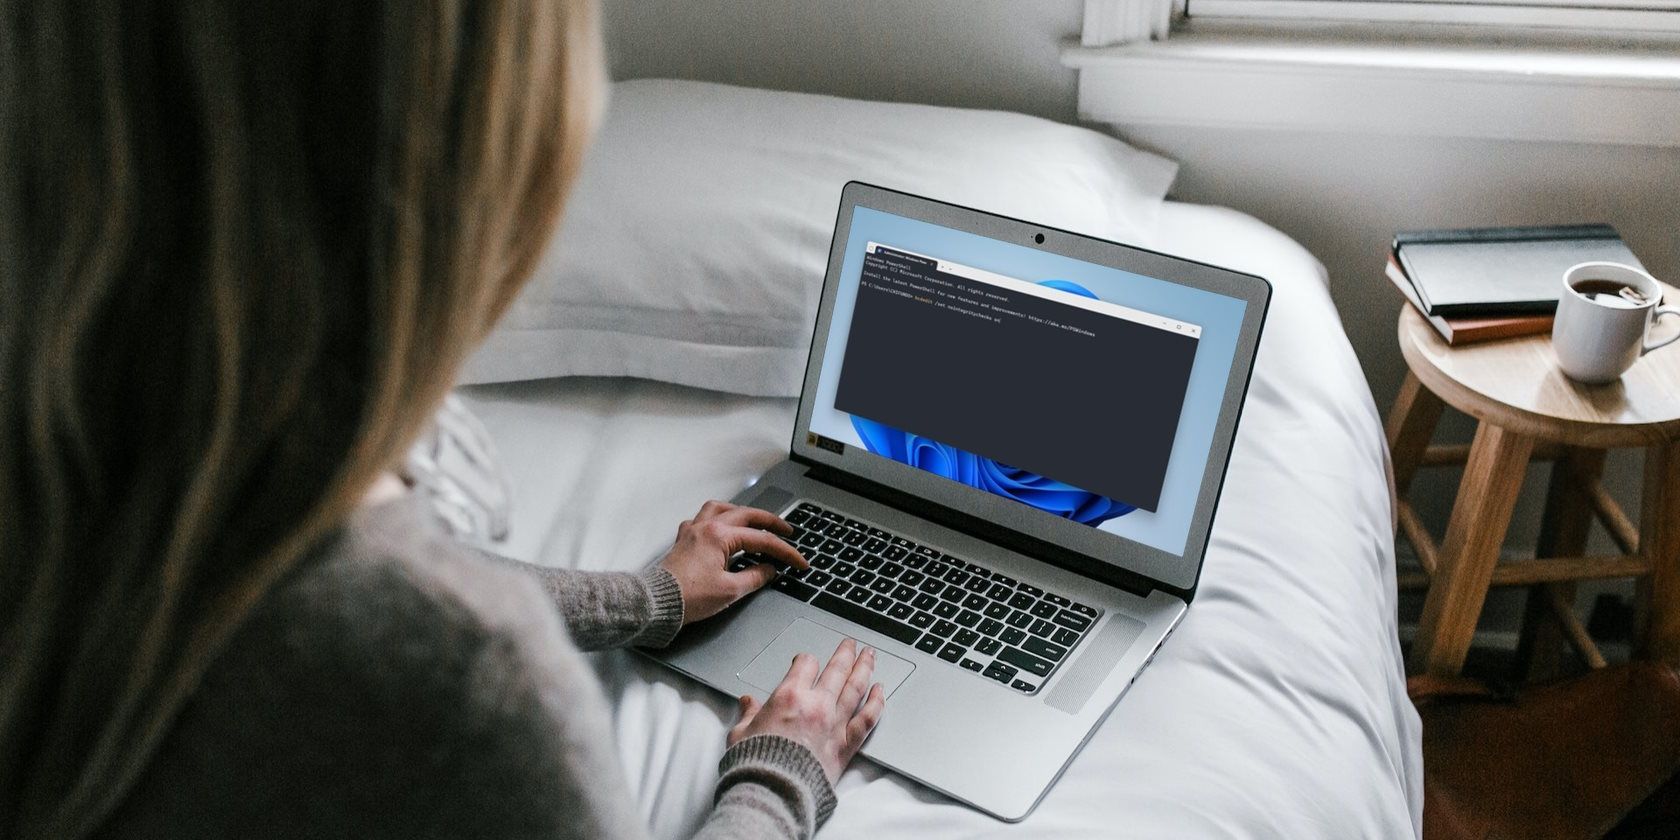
column 1008, row 451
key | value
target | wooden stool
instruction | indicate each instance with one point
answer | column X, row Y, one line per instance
column 1528, row 410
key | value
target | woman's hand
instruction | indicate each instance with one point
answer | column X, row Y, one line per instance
column 700, row 558
column 820, row 711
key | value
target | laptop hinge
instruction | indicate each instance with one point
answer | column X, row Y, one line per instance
column 979, row 528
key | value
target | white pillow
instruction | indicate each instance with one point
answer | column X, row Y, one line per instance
column 693, row 246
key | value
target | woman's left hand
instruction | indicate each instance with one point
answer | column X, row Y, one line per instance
column 700, row 558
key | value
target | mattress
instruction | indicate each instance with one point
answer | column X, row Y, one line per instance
column 1278, row 708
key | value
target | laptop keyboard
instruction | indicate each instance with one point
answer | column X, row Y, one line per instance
column 1000, row 628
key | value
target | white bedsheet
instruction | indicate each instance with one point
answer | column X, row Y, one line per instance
column 1278, row 708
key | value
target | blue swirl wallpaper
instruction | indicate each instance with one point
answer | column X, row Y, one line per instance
column 1029, row 488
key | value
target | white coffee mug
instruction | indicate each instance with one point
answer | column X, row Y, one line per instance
column 1597, row 337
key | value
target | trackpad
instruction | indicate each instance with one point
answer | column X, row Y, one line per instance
column 770, row 666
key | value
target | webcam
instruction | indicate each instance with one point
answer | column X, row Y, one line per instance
column 1039, row 238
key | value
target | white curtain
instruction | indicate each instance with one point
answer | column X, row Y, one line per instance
column 1110, row 22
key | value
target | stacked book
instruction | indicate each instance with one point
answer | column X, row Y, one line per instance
column 1479, row 284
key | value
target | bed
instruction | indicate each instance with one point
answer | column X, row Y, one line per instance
column 1278, row 709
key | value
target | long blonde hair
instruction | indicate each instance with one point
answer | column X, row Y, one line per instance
column 244, row 247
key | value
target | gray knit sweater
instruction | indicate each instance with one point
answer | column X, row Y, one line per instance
column 399, row 686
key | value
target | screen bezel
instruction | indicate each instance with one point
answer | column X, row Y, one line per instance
column 1097, row 547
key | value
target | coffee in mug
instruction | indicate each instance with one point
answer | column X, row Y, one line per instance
column 1603, row 316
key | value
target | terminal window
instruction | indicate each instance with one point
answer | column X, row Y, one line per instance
column 1074, row 389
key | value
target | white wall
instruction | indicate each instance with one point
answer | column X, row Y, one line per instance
column 970, row 53
column 1340, row 195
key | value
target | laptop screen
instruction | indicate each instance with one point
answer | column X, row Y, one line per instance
column 1079, row 391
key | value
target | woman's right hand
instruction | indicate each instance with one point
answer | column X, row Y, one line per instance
column 820, row 711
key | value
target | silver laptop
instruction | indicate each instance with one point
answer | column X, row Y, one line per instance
column 1009, row 447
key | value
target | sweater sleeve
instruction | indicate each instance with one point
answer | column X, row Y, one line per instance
column 769, row 786
column 610, row 609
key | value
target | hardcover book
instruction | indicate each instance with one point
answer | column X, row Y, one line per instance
column 1501, row 271
column 1469, row 330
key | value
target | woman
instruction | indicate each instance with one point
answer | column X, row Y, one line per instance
column 243, row 249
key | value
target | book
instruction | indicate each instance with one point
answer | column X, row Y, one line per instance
column 1468, row 330
column 1500, row 271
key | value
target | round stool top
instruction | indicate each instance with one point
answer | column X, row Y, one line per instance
column 1515, row 384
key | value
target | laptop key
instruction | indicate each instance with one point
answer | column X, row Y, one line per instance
column 966, row 638
column 933, row 586
column 854, row 538
column 1073, row 620
column 977, row 585
column 903, row 593
column 1026, row 661
column 945, row 609
column 1041, row 627
column 871, row 562
column 951, row 653
column 997, row 610
column 957, row 577
column 1040, row 647
column 934, row 568
column 914, row 561
column 882, row 585
column 798, row 589
column 900, row 611
column 1021, row 601
column 881, row 603
column 968, row 618
column 837, row 586
column 1002, row 672
column 989, row 647
column 999, row 592
column 977, row 569
column 893, row 552
column 930, row 643
column 1012, row 636
column 921, row 620
column 858, row 595
column 990, row 627
column 1084, row 610
column 874, row 544
column 975, row 602
column 1004, row 579
column 971, row 665
column 925, row 602
column 879, row 623
column 891, row 570
column 1065, row 637
column 952, row 592
column 851, row 554
column 820, row 560
column 833, row 546
column 862, row 577
column 1022, row 685
column 1019, row 619
column 811, row 540
column 843, row 569
column 943, row 629
column 912, row 578
column 1044, row 609
column 1030, row 589
column 1056, row 599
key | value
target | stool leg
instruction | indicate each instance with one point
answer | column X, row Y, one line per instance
column 1563, row 533
column 1411, row 423
column 1659, row 543
column 1481, row 514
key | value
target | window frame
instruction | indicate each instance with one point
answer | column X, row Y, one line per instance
column 1618, row 16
